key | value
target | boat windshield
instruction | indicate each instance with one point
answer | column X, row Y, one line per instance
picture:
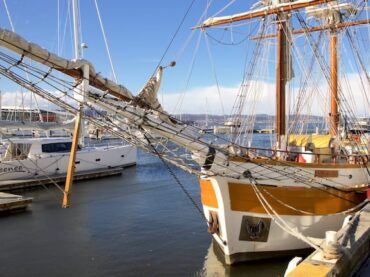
column 56, row 147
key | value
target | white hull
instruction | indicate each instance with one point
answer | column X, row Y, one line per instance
column 51, row 164
column 240, row 242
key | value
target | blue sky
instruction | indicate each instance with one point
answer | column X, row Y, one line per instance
column 138, row 32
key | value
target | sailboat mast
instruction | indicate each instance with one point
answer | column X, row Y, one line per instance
column 281, row 73
column 334, row 116
column 77, row 56
column 76, row 38
column 79, row 117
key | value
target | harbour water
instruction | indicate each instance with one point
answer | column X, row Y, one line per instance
column 137, row 224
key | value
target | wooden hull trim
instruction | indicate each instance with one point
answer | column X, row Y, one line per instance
column 284, row 200
column 245, row 231
column 296, row 164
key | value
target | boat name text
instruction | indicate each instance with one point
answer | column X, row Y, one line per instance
column 11, row 169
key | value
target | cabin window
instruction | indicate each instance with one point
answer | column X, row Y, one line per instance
column 56, row 147
column 17, row 151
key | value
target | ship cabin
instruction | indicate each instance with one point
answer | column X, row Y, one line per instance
column 325, row 149
column 20, row 149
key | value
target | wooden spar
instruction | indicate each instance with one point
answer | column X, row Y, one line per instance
column 75, row 73
column 76, row 136
column 262, row 12
column 72, row 160
column 334, row 116
column 317, row 28
column 281, row 73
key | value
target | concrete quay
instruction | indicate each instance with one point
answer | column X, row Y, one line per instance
column 354, row 250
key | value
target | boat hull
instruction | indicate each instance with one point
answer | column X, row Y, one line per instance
column 244, row 231
column 55, row 164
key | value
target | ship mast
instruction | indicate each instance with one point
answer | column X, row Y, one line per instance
column 281, row 77
column 332, row 14
column 334, row 19
column 281, row 8
column 81, row 89
column 334, row 116
column 334, row 25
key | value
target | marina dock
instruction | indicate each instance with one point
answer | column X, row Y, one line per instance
column 354, row 241
column 42, row 181
column 11, row 202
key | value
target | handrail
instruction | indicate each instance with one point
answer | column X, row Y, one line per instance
column 354, row 158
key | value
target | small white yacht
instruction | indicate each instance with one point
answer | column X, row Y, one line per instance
column 27, row 158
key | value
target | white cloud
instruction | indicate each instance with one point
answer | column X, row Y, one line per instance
column 20, row 100
column 207, row 99
column 213, row 101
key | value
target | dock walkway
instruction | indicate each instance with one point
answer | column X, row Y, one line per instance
column 11, row 202
column 42, row 181
column 354, row 239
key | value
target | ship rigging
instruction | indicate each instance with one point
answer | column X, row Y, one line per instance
column 304, row 184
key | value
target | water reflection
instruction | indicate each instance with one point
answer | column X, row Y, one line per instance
column 137, row 224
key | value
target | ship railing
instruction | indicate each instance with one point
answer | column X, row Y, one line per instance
column 293, row 156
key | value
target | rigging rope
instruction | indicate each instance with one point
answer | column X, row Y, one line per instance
column 215, row 76
column 278, row 219
column 174, row 35
column 109, row 106
column 105, row 41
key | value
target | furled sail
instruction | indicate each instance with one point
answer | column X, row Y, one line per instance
column 271, row 8
column 148, row 94
column 19, row 45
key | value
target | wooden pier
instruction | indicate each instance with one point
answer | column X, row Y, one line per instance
column 42, row 181
column 11, row 202
column 354, row 242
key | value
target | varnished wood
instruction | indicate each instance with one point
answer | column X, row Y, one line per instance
column 294, row 164
column 281, row 70
column 334, row 116
column 72, row 159
column 326, row 173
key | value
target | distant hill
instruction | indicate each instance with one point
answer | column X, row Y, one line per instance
column 261, row 119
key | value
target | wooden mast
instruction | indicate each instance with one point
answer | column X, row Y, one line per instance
column 333, row 50
column 76, row 134
column 281, row 73
column 334, row 116
column 72, row 160
column 281, row 69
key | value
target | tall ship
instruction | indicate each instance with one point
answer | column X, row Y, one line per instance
column 259, row 202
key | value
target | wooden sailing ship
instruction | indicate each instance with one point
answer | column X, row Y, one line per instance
column 247, row 218
column 257, row 205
